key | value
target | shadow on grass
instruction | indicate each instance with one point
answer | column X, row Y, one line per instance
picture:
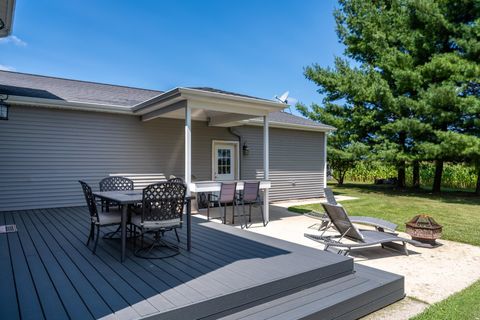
column 459, row 197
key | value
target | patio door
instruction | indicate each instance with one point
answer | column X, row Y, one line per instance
column 225, row 160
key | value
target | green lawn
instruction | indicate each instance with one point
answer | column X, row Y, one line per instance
column 464, row 305
column 458, row 212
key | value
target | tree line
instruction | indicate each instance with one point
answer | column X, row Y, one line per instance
column 407, row 89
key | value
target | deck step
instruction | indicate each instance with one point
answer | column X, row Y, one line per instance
column 350, row 297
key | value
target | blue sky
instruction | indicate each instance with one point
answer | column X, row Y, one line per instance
column 253, row 47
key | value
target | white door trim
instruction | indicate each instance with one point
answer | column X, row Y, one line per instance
column 236, row 146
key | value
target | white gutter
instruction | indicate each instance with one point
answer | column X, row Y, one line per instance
column 293, row 126
column 63, row 104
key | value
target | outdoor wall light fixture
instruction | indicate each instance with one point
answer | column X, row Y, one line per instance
column 245, row 149
column 3, row 109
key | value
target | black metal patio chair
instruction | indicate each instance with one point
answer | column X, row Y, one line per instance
column 98, row 219
column 176, row 180
column 116, row 183
column 162, row 205
column 227, row 196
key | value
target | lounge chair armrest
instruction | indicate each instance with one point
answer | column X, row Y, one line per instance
column 376, row 222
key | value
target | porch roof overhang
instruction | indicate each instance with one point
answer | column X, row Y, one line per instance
column 7, row 7
column 217, row 108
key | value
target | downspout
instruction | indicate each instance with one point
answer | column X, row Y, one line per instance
column 240, row 146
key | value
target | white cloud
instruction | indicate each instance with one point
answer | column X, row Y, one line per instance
column 15, row 40
column 6, row 68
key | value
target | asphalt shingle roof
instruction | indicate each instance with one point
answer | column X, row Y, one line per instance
column 46, row 87
column 37, row 86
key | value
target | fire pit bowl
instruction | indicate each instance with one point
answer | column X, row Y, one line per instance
column 424, row 229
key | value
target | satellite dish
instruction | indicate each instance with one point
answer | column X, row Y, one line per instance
column 285, row 99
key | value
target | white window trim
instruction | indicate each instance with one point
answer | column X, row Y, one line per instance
column 237, row 157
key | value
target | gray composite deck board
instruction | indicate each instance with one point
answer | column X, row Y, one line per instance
column 144, row 284
column 96, row 273
column 28, row 303
column 166, row 269
column 51, row 304
column 359, row 294
column 48, row 272
column 59, row 262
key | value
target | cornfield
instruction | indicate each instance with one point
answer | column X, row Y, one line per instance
column 456, row 176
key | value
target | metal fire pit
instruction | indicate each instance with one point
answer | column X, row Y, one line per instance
column 424, row 229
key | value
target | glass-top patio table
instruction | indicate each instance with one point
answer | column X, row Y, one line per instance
column 126, row 198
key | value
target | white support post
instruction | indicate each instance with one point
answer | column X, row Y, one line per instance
column 266, row 167
column 325, row 174
column 188, row 147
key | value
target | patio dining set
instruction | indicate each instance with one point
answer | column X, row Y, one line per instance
column 157, row 209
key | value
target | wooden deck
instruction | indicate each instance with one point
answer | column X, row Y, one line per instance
column 48, row 272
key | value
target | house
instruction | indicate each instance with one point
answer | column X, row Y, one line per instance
column 60, row 130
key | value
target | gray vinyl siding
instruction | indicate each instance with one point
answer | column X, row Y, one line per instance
column 43, row 152
column 296, row 161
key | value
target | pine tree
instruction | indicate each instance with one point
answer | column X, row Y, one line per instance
column 415, row 61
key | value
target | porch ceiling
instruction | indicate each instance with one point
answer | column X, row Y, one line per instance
column 217, row 108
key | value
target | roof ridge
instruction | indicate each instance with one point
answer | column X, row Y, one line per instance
column 84, row 81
